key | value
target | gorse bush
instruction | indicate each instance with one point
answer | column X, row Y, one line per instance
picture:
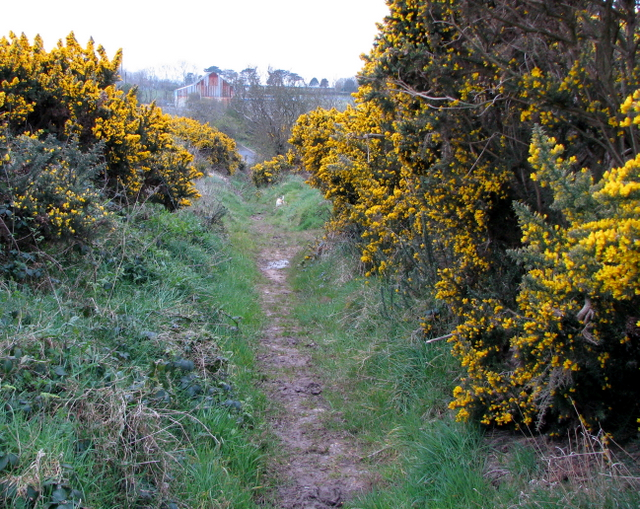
column 574, row 337
column 272, row 171
column 432, row 169
column 73, row 144
column 144, row 161
column 48, row 191
column 70, row 92
column 217, row 149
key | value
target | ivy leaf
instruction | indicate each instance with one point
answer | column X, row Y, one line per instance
column 184, row 365
column 59, row 495
column 8, row 461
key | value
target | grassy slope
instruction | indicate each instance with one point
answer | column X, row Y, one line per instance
column 134, row 383
column 131, row 385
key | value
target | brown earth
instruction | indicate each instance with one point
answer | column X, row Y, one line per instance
column 318, row 467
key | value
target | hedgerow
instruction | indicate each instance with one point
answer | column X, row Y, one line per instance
column 49, row 190
column 432, row 168
column 271, row 171
column 68, row 96
column 73, row 146
column 218, row 150
column 573, row 338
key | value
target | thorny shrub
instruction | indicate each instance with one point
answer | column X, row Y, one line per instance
column 429, row 163
column 71, row 91
column 575, row 337
column 270, row 172
column 203, row 141
column 47, row 190
column 73, row 145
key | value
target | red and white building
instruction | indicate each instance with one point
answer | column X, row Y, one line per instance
column 210, row 86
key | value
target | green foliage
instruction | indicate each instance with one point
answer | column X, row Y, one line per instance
column 217, row 149
column 391, row 389
column 271, row 172
column 48, row 191
column 70, row 94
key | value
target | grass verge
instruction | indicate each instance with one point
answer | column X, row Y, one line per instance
column 127, row 376
column 392, row 389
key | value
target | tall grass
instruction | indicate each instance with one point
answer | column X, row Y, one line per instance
column 128, row 377
column 127, row 374
column 304, row 209
column 392, row 391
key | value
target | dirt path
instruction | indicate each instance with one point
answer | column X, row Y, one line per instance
column 320, row 468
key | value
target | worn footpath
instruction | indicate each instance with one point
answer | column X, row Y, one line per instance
column 318, row 466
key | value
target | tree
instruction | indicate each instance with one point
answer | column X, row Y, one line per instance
column 268, row 111
column 324, row 83
column 314, row 82
column 347, row 85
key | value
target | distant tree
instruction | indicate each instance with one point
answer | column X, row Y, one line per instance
column 149, row 87
column 324, row 83
column 295, row 80
column 213, row 68
column 229, row 74
column 269, row 110
column 276, row 77
column 314, row 82
column 249, row 77
column 350, row 85
column 190, row 78
column 181, row 71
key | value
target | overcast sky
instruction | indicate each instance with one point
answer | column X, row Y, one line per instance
column 314, row 38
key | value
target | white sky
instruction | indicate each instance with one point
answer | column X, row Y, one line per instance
column 314, row 38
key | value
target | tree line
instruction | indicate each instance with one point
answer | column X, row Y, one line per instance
column 264, row 107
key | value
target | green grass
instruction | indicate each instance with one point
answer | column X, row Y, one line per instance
column 137, row 367
column 129, row 378
column 305, row 208
column 393, row 389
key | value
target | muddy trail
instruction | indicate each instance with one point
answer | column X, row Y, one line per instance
column 318, row 467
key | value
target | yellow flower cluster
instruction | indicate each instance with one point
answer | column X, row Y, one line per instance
column 50, row 189
column 70, row 92
column 218, row 150
column 575, row 331
column 142, row 154
column 270, row 172
column 68, row 82
column 430, row 163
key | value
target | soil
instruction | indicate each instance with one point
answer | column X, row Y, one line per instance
column 319, row 467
